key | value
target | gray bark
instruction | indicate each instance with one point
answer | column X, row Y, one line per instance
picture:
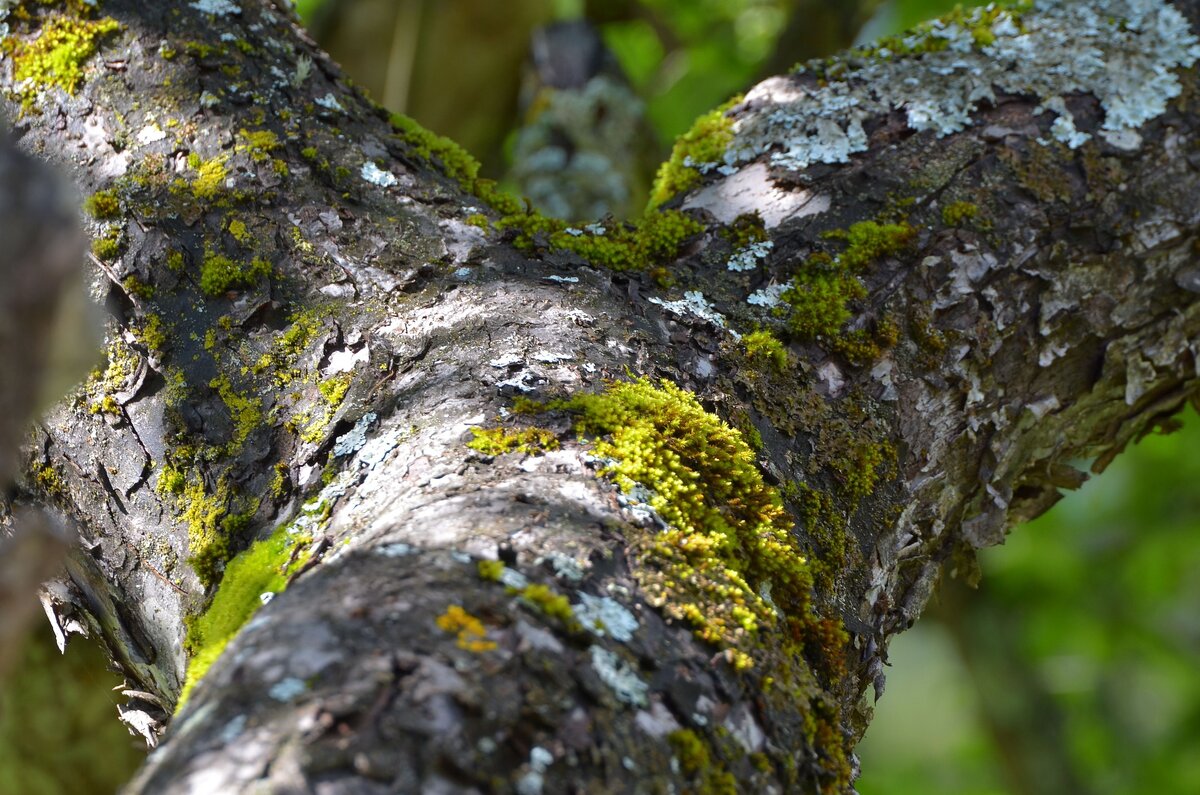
column 1049, row 330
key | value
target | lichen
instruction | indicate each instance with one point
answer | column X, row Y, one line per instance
column 469, row 632
column 941, row 73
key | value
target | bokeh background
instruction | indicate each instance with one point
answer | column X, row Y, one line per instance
column 1073, row 668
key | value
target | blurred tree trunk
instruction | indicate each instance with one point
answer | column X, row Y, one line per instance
column 309, row 321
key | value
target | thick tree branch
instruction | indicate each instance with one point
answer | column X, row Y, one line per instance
column 316, row 312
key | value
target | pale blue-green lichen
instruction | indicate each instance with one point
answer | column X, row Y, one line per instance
column 615, row 672
column 1123, row 52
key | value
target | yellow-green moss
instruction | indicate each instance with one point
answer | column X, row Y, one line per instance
column 175, row 261
column 263, row 568
column 258, row 143
column 728, row 556
column 958, row 213
column 48, row 479
column 107, row 247
column 696, row 762
column 746, row 229
column 551, row 603
column 219, row 273
column 457, row 163
column 491, row 570
column 210, row 177
column 151, row 333
column 202, row 514
column 237, row 228
column 137, row 288
column 762, row 345
column 55, row 58
column 246, row 412
column 102, row 205
column 705, row 142
column 497, row 441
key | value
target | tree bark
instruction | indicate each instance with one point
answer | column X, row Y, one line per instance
column 314, row 311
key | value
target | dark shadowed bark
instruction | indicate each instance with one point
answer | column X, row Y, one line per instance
column 316, row 311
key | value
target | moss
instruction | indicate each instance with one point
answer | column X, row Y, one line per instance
column 246, row 412
column 210, row 177
column 55, row 58
column 551, row 603
column 107, row 404
column 958, row 213
column 309, row 153
column 258, row 143
column 746, row 229
column 263, row 568
column 498, row 441
column 868, row 241
column 762, row 345
column 695, row 761
column 237, row 228
column 456, row 162
column 333, row 390
column 729, row 538
column 219, row 274
column 136, row 287
column 102, row 205
column 49, row 481
column 151, row 333
column 171, row 480
column 107, row 247
column 654, row 240
column 175, row 261
column 202, row 513
column 818, row 299
column 704, row 143
column 470, row 633
column 491, row 570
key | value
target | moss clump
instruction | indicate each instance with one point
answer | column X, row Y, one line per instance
column 746, row 229
column 498, row 441
column 818, row 298
column 729, row 538
column 491, row 570
column 134, row 286
column 653, row 241
column 219, row 274
column 958, row 213
column 237, row 228
column 762, row 345
column 470, row 633
column 108, row 246
column 705, row 143
column 210, row 177
column 553, row 604
column 457, row 163
column 48, row 480
column 261, row 569
column 695, row 761
column 102, row 205
column 258, row 143
column 202, row 514
column 246, row 412
column 56, row 57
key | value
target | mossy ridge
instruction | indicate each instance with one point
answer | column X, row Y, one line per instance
column 703, row 145
column 56, row 56
column 498, row 441
column 262, row 568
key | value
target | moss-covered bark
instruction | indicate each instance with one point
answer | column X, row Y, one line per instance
column 631, row 508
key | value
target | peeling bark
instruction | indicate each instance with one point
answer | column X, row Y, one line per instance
column 1030, row 312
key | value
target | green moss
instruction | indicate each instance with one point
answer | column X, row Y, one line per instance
column 202, row 513
column 263, row 568
column 171, row 480
column 150, row 333
column 175, row 261
column 695, row 761
column 219, row 274
column 729, row 538
column 102, row 205
column 497, row 441
column 107, row 247
column 762, row 345
column 246, row 412
column 553, row 604
column 819, row 298
column 456, row 162
column 746, row 229
column 705, row 142
column 136, row 287
column 958, row 213
column 55, row 58
column 309, row 153
column 258, row 143
column 333, row 390
column 237, row 228
column 868, row 241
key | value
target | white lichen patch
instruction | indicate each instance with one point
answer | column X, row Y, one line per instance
column 770, row 296
column 747, row 258
column 694, row 303
column 218, row 8
column 619, row 676
column 602, row 616
column 1122, row 52
column 377, row 176
column 329, row 102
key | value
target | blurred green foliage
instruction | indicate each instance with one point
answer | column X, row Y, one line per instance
column 59, row 733
column 1075, row 667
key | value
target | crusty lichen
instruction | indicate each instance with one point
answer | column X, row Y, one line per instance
column 941, row 73
column 470, row 633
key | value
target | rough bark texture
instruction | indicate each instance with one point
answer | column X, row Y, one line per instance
column 312, row 313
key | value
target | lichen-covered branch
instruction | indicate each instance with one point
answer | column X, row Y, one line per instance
column 402, row 486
